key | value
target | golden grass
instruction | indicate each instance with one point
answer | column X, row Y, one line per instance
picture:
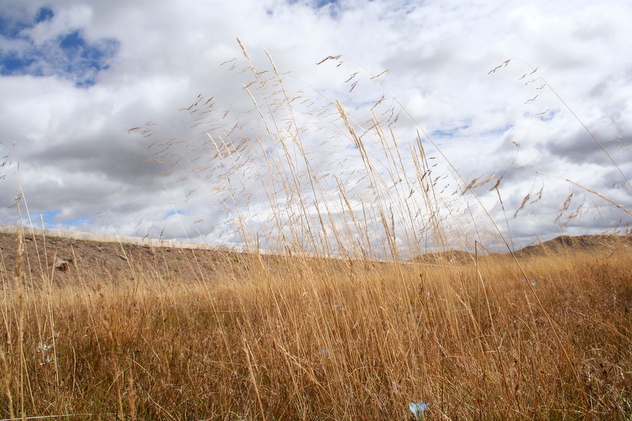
column 315, row 339
column 542, row 337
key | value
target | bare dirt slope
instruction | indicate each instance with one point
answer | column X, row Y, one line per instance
column 64, row 259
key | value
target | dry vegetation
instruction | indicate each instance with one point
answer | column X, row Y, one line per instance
column 547, row 337
column 534, row 336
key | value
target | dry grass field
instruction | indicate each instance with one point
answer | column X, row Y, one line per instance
column 96, row 331
column 199, row 335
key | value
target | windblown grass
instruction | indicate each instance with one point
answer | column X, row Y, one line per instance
column 311, row 337
column 317, row 339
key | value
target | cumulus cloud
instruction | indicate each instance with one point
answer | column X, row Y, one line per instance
column 47, row 45
column 77, row 75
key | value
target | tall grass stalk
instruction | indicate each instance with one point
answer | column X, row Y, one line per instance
column 314, row 338
column 341, row 324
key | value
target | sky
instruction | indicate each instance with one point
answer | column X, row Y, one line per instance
column 147, row 119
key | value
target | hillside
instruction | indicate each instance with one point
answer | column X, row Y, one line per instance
column 67, row 259
column 584, row 243
column 70, row 259
column 598, row 244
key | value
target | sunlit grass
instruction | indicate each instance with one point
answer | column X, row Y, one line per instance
column 304, row 336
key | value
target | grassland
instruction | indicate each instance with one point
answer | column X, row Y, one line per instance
column 282, row 338
column 147, row 334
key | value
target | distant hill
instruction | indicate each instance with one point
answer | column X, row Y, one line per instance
column 445, row 257
column 564, row 243
column 558, row 245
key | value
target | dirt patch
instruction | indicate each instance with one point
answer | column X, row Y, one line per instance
column 64, row 259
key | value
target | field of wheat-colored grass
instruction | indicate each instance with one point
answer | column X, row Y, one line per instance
column 397, row 317
column 548, row 337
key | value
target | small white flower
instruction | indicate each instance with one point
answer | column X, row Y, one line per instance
column 43, row 347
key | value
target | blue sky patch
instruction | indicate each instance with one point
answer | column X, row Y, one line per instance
column 449, row 132
column 50, row 219
column 321, row 3
column 70, row 55
column 176, row 212
column 332, row 5
column 44, row 14
column 11, row 29
column 548, row 115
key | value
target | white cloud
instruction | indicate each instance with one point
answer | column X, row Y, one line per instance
column 77, row 158
column 65, row 20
